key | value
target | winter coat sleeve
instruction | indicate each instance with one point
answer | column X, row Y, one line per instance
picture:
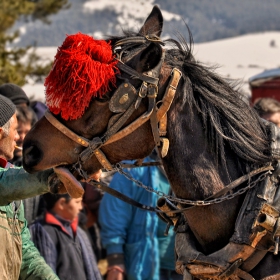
column 17, row 184
column 33, row 266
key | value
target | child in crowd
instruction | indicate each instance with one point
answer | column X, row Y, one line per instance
column 62, row 243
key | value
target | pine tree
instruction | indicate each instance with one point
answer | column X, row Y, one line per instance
column 16, row 64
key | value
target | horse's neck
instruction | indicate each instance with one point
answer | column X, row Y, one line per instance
column 190, row 165
column 194, row 174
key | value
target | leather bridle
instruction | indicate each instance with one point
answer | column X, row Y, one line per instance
column 123, row 103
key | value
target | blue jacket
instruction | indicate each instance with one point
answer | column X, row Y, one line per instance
column 134, row 232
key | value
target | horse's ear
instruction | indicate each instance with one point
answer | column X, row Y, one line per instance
column 153, row 23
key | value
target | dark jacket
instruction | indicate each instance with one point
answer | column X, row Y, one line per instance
column 71, row 257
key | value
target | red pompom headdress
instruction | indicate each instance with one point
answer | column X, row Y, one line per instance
column 83, row 68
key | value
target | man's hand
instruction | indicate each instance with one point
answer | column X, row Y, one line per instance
column 115, row 272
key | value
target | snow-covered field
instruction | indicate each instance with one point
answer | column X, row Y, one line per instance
column 238, row 58
column 242, row 57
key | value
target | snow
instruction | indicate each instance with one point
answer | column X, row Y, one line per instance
column 137, row 9
column 239, row 58
column 242, row 57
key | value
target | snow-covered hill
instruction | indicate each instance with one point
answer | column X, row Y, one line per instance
column 238, row 58
column 242, row 57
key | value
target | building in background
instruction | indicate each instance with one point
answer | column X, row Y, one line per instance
column 265, row 84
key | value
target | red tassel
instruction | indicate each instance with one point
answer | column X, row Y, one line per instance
column 83, row 68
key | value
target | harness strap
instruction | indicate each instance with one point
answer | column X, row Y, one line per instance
column 103, row 160
column 66, row 131
column 135, row 74
column 225, row 261
column 127, row 130
column 165, row 106
column 163, row 125
column 154, row 126
column 169, row 93
column 110, row 137
column 239, row 181
column 150, row 38
column 87, row 153
column 121, row 196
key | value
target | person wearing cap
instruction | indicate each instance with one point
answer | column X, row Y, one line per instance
column 26, row 118
column 269, row 109
column 19, row 258
column 15, row 93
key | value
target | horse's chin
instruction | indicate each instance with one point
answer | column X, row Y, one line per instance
column 63, row 181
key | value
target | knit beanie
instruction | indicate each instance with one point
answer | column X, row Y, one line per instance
column 7, row 110
column 14, row 93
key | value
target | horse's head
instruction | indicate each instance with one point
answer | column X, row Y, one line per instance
column 94, row 91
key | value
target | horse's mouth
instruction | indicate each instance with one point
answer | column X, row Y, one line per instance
column 63, row 181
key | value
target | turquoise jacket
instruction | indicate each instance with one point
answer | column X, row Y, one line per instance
column 134, row 232
column 19, row 258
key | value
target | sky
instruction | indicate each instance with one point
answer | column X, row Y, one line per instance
column 237, row 58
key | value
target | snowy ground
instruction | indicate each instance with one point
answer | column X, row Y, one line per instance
column 238, row 58
column 242, row 57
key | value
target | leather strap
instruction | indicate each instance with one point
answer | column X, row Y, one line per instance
column 127, row 130
column 169, row 93
column 103, row 160
column 139, row 40
column 134, row 73
column 239, row 181
column 66, row 131
column 121, row 196
column 154, row 126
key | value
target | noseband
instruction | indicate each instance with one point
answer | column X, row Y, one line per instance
column 123, row 103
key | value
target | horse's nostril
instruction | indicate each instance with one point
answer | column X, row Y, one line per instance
column 32, row 156
column 28, row 150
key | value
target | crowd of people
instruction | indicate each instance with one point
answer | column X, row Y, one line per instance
column 54, row 236
column 47, row 235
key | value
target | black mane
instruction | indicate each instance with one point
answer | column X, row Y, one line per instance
column 227, row 118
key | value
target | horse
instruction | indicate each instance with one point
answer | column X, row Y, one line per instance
column 215, row 149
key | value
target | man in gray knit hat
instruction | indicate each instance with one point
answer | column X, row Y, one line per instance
column 19, row 258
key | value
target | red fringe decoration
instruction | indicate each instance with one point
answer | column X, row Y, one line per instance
column 83, row 68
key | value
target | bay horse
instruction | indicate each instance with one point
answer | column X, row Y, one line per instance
column 141, row 93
